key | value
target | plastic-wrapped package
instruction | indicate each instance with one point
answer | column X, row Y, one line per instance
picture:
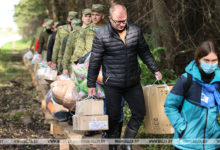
column 57, row 111
column 63, row 77
column 79, row 76
column 36, row 59
column 28, row 55
column 65, row 93
column 50, row 74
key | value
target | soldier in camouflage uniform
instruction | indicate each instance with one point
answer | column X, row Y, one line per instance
column 54, row 29
column 86, row 17
column 37, row 35
column 97, row 23
column 73, row 44
column 44, row 38
column 61, row 33
column 75, row 48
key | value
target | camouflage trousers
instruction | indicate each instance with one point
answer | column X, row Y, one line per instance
column 44, row 55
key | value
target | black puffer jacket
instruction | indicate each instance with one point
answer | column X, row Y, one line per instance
column 119, row 62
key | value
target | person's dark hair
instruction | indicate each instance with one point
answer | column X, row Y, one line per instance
column 203, row 50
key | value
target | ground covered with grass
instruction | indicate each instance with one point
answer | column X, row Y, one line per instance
column 21, row 115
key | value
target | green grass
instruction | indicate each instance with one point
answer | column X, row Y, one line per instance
column 10, row 64
column 17, row 45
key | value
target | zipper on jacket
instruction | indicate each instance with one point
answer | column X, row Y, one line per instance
column 205, row 129
column 107, row 80
column 126, row 82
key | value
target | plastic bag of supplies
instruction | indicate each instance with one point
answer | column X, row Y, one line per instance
column 65, row 93
column 57, row 111
column 36, row 59
column 28, row 55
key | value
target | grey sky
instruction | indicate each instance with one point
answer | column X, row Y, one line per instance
column 6, row 13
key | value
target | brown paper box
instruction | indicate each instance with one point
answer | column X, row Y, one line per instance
column 90, row 107
column 156, row 120
column 90, row 123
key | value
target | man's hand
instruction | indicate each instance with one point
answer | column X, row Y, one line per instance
column 91, row 92
column 65, row 72
column 158, row 75
column 53, row 65
column 49, row 63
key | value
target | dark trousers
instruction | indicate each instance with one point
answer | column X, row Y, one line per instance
column 135, row 99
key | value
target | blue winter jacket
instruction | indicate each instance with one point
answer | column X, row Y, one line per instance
column 188, row 117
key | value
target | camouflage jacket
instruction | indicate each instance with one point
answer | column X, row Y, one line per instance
column 75, row 48
column 89, row 34
column 61, row 33
column 43, row 41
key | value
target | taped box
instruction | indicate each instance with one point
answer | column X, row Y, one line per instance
column 156, row 120
column 90, row 123
column 89, row 107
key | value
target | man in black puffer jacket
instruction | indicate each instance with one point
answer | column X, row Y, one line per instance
column 115, row 48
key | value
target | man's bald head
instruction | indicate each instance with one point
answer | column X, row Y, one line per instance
column 117, row 10
column 118, row 17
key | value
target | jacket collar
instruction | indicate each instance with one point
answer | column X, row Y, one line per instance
column 113, row 32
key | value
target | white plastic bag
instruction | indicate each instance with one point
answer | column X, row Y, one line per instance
column 40, row 73
column 64, row 77
column 28, row 55
column 36, row 59
column 50, row 74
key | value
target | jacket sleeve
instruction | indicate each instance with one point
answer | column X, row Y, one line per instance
column 56, row 48
column 145, row 54
column 173, row 104
column 95, row 61
column 41, row 43
column 68, row 52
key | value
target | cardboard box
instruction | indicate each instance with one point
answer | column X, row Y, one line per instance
column 90, row 123
column 89, row 107
column 156, row 120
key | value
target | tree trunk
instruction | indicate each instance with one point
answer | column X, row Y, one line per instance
column 167, row 34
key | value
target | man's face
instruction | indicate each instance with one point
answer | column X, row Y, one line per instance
column 118, row 20
column 69, row 19
column 86, row 18
column 97, row 17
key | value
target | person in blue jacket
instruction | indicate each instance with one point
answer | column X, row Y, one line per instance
column 193, row 110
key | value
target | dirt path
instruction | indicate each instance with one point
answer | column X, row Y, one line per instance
column 20, row 112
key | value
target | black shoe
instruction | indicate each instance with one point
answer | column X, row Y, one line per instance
column 114, row 132
column 126, row 147
column 61, row 116
column 104, row 135
column 70, row 117
column 70, row 120
column 91, row 133
column 112, row 147
column 129, row 134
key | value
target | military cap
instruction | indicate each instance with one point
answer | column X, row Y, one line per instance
column 98, row 8
column 49, row 24
column 86, row 11
column 72, row 14
column 76, row 22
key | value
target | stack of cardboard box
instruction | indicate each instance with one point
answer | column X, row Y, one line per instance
column 89, row 116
